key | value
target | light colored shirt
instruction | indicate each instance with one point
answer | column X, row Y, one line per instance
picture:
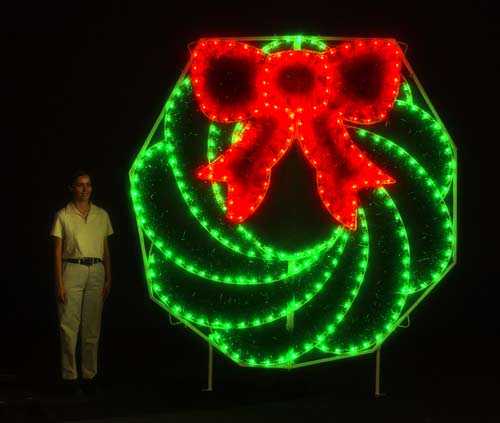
column 82, row 237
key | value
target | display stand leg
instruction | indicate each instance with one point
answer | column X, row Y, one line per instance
column 290, row 315
column 377, row 374
column 210, row 367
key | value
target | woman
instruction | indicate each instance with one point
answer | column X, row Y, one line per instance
column 83, row 280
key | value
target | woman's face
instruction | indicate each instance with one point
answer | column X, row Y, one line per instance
column 81, row 188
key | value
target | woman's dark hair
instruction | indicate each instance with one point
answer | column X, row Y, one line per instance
column 76, row 174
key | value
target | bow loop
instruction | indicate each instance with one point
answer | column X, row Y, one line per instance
column 224, row 74
column 366, row 78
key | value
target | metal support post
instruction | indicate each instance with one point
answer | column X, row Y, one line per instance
column 377, row 374
column 210, row 367
column 290, row 316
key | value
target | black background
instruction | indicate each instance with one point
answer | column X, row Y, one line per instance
column 86, row 83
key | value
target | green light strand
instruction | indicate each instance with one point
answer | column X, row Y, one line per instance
column 421, row 279
column 378, row 334
column 405, row 93
column 444, row 143
column 293, row 42
column 185, row 311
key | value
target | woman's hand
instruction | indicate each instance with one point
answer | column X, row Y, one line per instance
column 106, row 289
column 61, row 294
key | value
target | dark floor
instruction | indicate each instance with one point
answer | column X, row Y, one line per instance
column 149, row 381
column 152, row 403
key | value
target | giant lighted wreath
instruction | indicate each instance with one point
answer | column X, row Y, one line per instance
column 385, row 171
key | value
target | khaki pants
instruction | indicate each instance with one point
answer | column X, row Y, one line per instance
column 81, row 315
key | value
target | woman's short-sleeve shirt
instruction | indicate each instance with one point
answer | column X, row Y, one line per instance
column 82, row 237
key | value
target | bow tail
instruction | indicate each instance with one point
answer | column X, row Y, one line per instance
column 246, row 166
column 341, row 167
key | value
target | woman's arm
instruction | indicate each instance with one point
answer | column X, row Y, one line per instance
column 60, row 290
column 107, row 269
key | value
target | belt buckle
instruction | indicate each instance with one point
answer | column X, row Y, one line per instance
column 86, row 261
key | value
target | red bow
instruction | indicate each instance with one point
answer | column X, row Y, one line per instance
column 295, row 94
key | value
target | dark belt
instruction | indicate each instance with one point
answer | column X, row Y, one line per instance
column 86, row 261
